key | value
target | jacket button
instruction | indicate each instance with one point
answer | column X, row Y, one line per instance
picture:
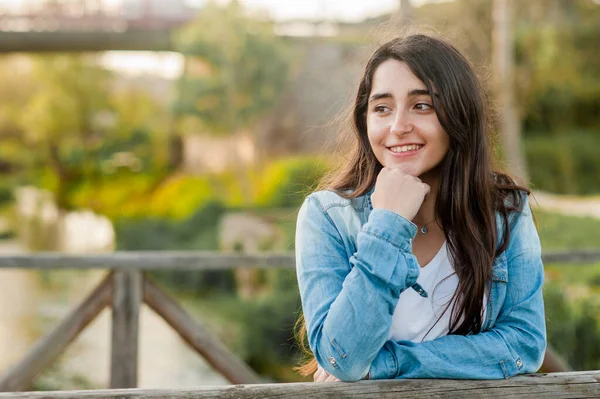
column 332, row 360
column 519, row 363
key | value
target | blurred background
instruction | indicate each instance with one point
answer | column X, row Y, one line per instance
column 198, row 125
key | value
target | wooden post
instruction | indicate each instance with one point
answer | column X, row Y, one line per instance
column 198, row 336
column 406, row 10
column 503, row 61
column 126, row 300
column 48, row 348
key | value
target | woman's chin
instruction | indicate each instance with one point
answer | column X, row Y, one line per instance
column 405, row 167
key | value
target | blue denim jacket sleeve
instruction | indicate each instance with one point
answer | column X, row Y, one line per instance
column 348, row 302
column 515, row 344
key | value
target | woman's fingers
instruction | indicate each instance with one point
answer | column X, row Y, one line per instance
column 317, row 374
column 322, row 375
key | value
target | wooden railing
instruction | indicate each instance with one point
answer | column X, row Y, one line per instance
column 582, row 384
column 125, row 288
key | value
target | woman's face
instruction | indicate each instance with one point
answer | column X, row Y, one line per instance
column 402, row 126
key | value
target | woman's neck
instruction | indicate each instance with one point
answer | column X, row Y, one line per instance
column 426, row 213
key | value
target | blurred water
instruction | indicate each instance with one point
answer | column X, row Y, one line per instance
column 32, row 302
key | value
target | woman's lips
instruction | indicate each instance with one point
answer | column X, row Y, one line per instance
column 401, row 154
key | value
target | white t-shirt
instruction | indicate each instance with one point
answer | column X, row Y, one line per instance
column 415, row 315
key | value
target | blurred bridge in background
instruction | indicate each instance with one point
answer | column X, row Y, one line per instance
column 90, row 25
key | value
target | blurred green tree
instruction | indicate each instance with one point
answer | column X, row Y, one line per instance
column 65, row 118
column 65, row 121
column 15, row 90
column 558, row 63
column 236, row 69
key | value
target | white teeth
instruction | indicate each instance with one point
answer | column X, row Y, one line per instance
column 406, row 148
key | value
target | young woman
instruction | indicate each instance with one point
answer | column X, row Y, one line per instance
column 418, row 260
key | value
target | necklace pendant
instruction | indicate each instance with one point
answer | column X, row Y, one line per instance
column 424, row 230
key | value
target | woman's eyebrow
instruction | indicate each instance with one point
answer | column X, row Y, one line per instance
column 419, row 92
column 378, row 96
column 411, row 93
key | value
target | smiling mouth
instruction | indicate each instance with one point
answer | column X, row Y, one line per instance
column 405, row 149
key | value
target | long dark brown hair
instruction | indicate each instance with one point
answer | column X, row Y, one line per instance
column 470, row 192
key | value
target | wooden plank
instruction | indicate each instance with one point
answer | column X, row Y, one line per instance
column 148, row 260
column 198, row 336
column 126, row 301
column 202, row 260
column 583, row 384
column 58, row 41
column 48, row 348
column 571, row 257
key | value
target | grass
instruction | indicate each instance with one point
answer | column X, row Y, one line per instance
column 563, row 233
column 560, row 232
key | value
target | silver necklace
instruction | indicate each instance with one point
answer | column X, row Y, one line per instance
column 423, row 229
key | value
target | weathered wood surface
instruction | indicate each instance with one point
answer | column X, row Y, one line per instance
column 198, row 336
column 202, row 260
column 126, row 301
column 147, row 260
column 584, row 384
column 575, row 256
column 48, row 348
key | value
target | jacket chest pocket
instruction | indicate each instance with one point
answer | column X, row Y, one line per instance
column 497, row 290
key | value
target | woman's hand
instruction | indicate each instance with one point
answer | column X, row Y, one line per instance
column 399, row 192
column 323, row 376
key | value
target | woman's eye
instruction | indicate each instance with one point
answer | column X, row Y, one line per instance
column 423, row 106
column 381, row 109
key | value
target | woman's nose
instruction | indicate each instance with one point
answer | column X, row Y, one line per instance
column 401, row 124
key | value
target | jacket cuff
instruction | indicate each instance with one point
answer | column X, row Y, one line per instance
column 392, row 228
column 384, row 366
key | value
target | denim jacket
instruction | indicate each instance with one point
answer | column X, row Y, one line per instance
column 353, row 263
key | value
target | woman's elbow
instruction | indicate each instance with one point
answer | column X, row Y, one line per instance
column 351, row 373
column 343, row 368
column 537, row 352
column 540, row 354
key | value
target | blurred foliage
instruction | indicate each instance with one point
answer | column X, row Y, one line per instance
column 6, row 191
column 183, row 213
column 281, row 183
column 558, row 65
column 573, row 327
column 571, row 291
column 61, row 120
column 564, row 164
column 236, row 69
column 285, row 183
column 267, row 343
column 64, row 124
column 197, row 232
